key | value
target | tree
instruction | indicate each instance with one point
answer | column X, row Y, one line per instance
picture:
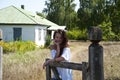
column 113, row 12
column 91, row 12
column 41, row 14
column 115, row 16
column 55, row 11
column 61, row 12
column 97, row 12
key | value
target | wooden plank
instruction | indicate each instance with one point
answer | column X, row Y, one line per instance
column 69, row 65
column 48, row 72
column 84, row 71
column 1, row 52
column 56, row 73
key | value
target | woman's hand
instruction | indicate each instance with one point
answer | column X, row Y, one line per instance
column 47, row 62
column 56, row 43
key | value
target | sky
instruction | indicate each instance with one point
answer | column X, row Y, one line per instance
column 30, row 5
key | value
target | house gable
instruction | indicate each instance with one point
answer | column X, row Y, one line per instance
column 14, row 16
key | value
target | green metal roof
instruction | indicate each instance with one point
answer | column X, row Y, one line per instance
column 14, row 15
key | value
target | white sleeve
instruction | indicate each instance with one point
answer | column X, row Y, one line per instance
column 66, row 54
column 53, row 53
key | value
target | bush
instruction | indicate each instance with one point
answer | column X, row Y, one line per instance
column 108, row 34
column 7, row 47
column 48, row 41
column 18, row 46
column 77, row 34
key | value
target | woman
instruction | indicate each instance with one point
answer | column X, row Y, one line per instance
column 60, row 51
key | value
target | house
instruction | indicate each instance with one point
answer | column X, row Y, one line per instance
column 20, row 24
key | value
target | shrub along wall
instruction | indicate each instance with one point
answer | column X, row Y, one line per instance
column 17, row 46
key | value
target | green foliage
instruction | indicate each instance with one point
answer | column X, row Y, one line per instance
column 7, row 47
column 61, row 12
column 108, row 34
column 90, row 13
column 48, row 41
column 113, row 11
column 117, row 37
column 18, row 46
column 77, row 34
column 41, row 14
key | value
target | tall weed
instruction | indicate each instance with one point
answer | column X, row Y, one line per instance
column 17, row 46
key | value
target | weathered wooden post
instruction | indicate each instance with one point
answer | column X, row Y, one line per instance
column 84, row 71
column 95, row 54
column 1, row 51
column 48, row 72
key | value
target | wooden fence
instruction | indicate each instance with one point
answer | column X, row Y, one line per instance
column 91, row 70
column 69, row 65
column 1, row 51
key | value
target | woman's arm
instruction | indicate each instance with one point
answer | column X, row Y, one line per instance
column 58, row 50
column 52, row 60
column 59, row 59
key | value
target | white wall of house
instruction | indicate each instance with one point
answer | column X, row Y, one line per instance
column 7, row 32
column 29, row 33
column 40, row 35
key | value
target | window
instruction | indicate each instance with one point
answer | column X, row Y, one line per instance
column 17, row 33
column 44, row 34
column 39, row 34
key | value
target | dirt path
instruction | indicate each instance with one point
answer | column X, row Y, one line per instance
column 79, row 54
column 79, row 51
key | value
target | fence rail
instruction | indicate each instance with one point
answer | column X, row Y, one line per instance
column 69, row 65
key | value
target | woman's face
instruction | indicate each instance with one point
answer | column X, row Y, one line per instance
column 58, row 38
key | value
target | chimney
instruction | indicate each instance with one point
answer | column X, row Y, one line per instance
column 22, row 6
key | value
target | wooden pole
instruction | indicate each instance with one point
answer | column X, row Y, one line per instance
column 84, row 71
column 48, row 72
column 54, row 69
column 95, row 54
column 1, row 51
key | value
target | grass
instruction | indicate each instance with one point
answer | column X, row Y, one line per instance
column 28, row 66
column 111, row 61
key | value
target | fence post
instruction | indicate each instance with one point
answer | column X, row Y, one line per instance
column 1, row 51
column 95, row 54
column 84, row 71
column 48, row 72
column 56, row 74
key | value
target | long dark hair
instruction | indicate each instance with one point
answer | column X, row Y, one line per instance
column 64, row 39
